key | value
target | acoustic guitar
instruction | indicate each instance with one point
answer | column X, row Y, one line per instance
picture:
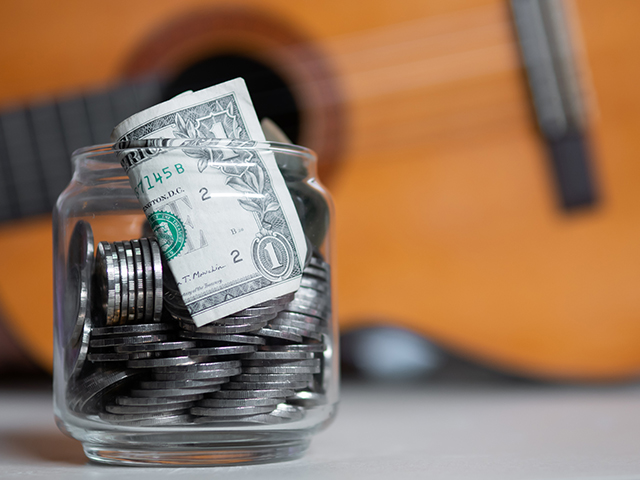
column 455, row 217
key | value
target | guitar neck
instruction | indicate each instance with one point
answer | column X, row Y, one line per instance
column 37, row 140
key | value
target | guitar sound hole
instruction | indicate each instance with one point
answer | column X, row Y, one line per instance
column 270, row 94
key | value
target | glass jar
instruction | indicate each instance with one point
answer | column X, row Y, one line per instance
column 135, row 380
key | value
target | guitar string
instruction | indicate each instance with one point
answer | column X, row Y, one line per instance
column 366, row 71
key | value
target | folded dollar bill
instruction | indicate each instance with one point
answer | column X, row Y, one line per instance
column 220, row 209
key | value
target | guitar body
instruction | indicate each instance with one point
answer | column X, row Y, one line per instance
column 448, row 221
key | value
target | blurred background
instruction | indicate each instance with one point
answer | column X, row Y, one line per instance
column 482, row 155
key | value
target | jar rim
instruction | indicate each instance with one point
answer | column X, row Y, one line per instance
column 123, row 148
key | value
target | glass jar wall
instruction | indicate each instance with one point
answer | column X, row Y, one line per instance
column 135, row 380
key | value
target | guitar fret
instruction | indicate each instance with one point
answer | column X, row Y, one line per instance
column 75, row 123
column 51, row 148
column 8, row 201
column 101, row 118
column 123, row 101
column 147, row 93
column 26, row 174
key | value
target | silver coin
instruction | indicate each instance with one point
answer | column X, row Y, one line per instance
column 281, row 369
column 230, row 411
column 76, row 306
column 180, row 314
column 314, row 283
column 295, row 347
column 263, row 419
column 297, row 331
column 176, row 314
column 89, row 392
column 131, row 269
column 172, row 392
column 277, row 416
column 80, row 261
column 270, row 332
column 210, row 329
column 235, row 385
column 147, row 265
column 156, row 347
column 230, row 320
column 221, row 351
column 282, row 300
column 320, row 303
column 315, row 310
column 298, row 308
column 315, row 303
column 237, row 319
column 108, row 282
column 155, row 401
column 222, row 421
column 75, row 356
column 318, row 262
column 322, row 312
column 169, row 281
column 171, row 384
column 213, row 376
column 240, row 402
column 107, row 357
column 299, row 317
column 273, row 377
column 260, row 310
column 170, row 287
column 309, row 362
column 238, row 394
column 148, row 409
column 279, row 356
column 317, row 272
column 312, row 326
column 133, row 290
column 163, row 362
column 157, row 279
column 127, row 340
column 159, row 421
column 120, row 259
column 139, row 355
column 306, row 326
column 305, row 398
column 140, row 328
column 137, row 417
column 242, row 339
column 136, row 247
column 308, row 293
column 120, row 290
column 199, row 367
column 289, row 411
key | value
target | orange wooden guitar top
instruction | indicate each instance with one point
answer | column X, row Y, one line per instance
column 447, row 220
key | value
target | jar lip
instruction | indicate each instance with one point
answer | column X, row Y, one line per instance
column 178, row 143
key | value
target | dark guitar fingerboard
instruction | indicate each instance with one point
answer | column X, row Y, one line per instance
column 36, row 142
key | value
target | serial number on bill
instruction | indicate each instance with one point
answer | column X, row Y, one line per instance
column 148, row 182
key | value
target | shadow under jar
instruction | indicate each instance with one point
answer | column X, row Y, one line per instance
column 134, row 379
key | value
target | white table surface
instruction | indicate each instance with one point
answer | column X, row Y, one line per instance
column 473, row 431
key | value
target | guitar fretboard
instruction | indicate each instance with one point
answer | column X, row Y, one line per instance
column 36, row 142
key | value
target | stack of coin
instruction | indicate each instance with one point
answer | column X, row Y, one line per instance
column 120, row 343
column 129, row 281
column 140, row 360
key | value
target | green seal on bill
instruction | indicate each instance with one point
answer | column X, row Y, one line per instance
column 169, row 231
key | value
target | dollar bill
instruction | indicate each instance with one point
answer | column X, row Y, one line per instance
column 222, row 215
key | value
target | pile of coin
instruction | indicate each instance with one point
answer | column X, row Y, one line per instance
column 129, row 281
column 139, row 359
